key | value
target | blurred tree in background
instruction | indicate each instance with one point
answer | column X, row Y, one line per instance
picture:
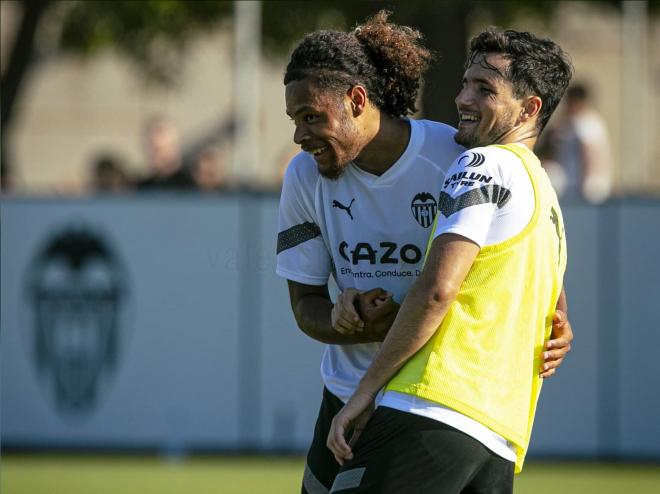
column 153, row 35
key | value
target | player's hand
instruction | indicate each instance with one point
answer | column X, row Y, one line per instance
column 558, row 345
column 378, row 310
column 352, row 418
column 344, row 316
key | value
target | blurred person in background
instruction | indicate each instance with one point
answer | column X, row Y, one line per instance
column 577, row 152
column 460, row 364
column 108, row 174
column 208, row 170
column 357, row 203
column 165, row 159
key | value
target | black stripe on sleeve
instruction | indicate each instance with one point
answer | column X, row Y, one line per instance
column 296, row 235
column 496, row 194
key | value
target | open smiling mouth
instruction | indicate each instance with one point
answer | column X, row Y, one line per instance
column 467, row 119
column 316, row 152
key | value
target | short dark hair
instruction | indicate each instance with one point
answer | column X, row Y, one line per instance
column 536, row 66
column 385, row 58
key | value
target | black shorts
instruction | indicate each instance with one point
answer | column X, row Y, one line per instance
column 321, row 467
column 400, row 452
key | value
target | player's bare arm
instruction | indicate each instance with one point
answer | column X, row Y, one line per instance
column 449, row 261
column 312, row 308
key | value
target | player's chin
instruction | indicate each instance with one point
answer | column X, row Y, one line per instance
column 332, row 170
column 470, row 136
column 465, row 138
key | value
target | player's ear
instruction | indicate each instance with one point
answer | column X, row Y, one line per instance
column 358, row 99
column 531, row 108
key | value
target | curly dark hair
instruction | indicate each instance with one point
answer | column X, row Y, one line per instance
column 537, row 66
column 385, row 58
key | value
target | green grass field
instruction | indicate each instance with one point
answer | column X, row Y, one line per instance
column 46, row 474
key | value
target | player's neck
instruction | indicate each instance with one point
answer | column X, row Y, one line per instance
column 386, row 147
column 527, row 135
column 528, row 142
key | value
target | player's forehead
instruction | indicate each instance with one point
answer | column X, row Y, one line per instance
column 305, row 94
column 488, row 67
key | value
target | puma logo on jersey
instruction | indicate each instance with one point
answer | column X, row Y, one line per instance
column 337, row 204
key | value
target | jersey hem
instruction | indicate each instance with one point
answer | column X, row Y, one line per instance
column 463, row 231
column 301, row 278
column 473, row 428
column 510, row 435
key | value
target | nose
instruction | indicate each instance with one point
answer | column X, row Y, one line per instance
column 462, row 98
column 300, row 135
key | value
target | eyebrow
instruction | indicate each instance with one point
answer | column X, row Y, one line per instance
column 300, row 110
column 485, row 80
column 481, row 80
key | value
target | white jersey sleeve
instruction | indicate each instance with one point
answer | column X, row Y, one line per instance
column 302, row 255
column 487, row 196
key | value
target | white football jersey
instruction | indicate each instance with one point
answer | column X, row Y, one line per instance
column 367, row 231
